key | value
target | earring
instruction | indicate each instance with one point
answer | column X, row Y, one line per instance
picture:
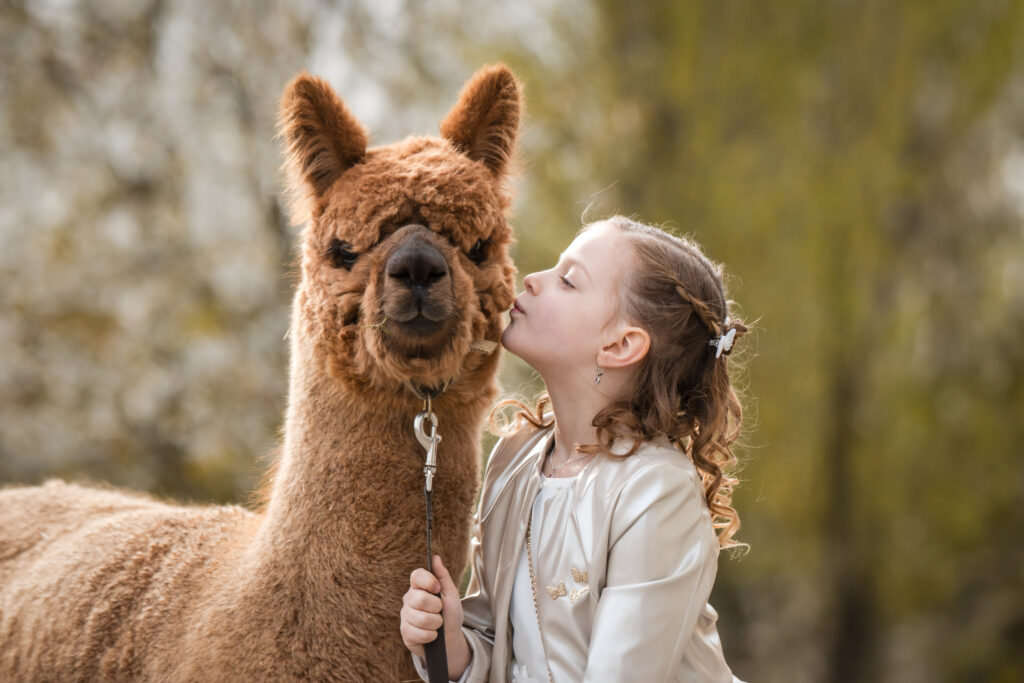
column 600, row 372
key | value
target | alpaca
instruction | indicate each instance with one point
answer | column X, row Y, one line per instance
column 405, row 275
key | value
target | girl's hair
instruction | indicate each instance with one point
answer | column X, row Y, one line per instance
column 682, row 390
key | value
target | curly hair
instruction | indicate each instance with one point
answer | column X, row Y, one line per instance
column 682, row 389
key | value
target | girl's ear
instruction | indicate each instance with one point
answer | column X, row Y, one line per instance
column 484, row 123
column 322, row 139
column 629, row 346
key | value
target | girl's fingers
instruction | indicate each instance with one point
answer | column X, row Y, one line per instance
column 422, row 579
column 421, row 613
column 423, row 620
column 448, row 586
column 452, row 609
column 422, row 600
column 417, row 636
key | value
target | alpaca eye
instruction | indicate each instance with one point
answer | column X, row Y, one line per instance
column 341, row 254
column 478, row 253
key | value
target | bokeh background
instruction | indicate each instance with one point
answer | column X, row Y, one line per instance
column 857, row 166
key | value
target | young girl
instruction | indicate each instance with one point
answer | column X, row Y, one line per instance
column 595, row 545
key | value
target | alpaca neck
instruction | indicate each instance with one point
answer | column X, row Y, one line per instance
column 351, row 466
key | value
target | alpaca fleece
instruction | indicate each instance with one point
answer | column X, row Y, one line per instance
column 404, row 263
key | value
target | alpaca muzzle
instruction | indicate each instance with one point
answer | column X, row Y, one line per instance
column 418, row 286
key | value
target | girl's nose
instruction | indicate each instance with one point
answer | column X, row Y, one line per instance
column 530, row 283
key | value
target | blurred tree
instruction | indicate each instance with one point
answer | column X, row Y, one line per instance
column 142, row 244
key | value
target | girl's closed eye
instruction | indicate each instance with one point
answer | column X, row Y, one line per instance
column 565, row 281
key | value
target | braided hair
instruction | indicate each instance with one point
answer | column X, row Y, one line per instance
column 682, row 388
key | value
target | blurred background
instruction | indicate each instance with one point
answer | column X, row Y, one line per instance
column 857, row 166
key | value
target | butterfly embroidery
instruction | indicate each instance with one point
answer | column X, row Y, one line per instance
column 557, row 591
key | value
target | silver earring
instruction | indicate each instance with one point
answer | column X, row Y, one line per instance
column 600, row 372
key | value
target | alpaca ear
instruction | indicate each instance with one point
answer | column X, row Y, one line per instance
column 484, row 122
column 322, row 139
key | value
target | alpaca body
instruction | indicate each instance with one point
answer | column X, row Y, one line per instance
column 223, row 593
column 405, row 271
column 70, row 613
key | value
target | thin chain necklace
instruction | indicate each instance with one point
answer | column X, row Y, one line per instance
column 551, row 449
column 533, row 586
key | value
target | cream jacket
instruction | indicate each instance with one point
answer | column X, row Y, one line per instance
column 625, row 563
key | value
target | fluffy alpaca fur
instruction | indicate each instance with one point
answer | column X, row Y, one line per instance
column 404, row 264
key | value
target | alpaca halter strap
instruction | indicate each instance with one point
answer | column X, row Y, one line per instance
column 426, row 394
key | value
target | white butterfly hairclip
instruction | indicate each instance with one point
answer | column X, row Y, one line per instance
column 724, row 342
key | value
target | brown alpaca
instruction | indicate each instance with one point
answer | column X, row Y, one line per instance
column 404, row 267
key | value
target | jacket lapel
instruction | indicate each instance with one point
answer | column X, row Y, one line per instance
column 517, row 513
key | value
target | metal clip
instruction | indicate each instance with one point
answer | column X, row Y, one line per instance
column 429, row 443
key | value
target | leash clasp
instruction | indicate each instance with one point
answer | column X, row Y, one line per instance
column 429, row 442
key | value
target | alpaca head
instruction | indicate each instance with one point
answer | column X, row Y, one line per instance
column 405, row 247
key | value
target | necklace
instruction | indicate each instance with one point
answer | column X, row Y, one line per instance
column 554, row 468
column 533, row 586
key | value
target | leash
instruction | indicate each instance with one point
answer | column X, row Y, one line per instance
column 435, row 652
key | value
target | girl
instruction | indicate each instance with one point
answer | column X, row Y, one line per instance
column 595, row 546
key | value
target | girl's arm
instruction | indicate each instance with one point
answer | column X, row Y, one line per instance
column 662, row 562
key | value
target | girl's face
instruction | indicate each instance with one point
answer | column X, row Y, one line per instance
column 567, row 313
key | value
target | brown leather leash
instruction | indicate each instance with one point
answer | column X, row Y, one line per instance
column 434, row 651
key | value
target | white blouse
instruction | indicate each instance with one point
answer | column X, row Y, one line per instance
column 528, row 663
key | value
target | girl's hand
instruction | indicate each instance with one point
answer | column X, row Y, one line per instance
column 423, row 613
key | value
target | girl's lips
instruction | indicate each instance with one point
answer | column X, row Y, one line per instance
column 515, row 308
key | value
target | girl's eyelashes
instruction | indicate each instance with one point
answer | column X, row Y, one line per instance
column 566, row 282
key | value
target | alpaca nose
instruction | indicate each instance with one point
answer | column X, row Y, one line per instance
column 417, row 264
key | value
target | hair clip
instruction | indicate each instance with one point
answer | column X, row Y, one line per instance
column 724, row 342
